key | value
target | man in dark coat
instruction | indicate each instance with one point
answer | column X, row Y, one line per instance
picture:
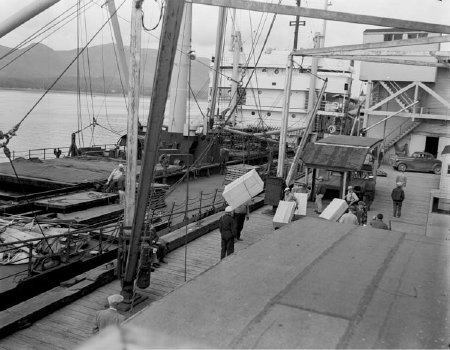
column 227, row 227
column 377, row 222
column 398, row 195
column 369, row 192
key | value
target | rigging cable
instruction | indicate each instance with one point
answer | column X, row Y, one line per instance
column 33, row 45
column 17, row 126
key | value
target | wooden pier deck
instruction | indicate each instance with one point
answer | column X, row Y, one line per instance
column 71, row 325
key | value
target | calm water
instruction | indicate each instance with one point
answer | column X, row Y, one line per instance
column 56, row 117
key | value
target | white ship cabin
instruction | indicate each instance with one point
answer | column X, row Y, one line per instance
column 394, row 88
column 261, row 102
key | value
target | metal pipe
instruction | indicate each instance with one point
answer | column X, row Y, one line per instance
column 24, row 15
column 392, row 115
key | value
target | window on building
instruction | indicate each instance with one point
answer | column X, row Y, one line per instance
column 387, row 37
column 448, row 170
column 422, row 35
column 412, row 35
column 274, row 84
column 397, row 37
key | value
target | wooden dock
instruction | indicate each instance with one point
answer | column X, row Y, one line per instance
column 71, row 325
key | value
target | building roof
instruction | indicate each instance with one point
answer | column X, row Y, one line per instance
column 446, row 150
column 355, row 141
column 333, row 157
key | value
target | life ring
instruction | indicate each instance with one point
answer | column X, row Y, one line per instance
column 332, row 129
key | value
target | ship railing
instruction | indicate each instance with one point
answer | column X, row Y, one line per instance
column 106, row 236
column 49, row 153
column 194, row 209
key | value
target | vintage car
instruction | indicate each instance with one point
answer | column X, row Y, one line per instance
column 418, row 161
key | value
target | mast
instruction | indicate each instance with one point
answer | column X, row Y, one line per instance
column 179, row 88
column 123, row 71
column 166, row 54
column 133, row 112
column 319, row 41
column 285, row 116
column 217, row 58
column 24, row 15
column 236, row 37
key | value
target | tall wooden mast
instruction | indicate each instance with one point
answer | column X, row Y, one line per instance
column 166, row 55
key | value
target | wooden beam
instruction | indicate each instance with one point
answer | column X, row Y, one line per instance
column 164, row 64
column 434, row 94
column 387, row 99
column 385, row 53
column 387, row 60
column 411, row 115
column 326, row 15
column 377, row 45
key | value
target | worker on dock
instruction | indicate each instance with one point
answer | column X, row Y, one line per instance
column 349, row 217
column 320, row 192
column 369, row 192
column 109, row 316
column 377, row 222
column 227, row 227
column 402, row 178
column 111, row 183
column 361, row 213
column 398, row 196
column 351, row 197
column 241, row 214
column 290, row 197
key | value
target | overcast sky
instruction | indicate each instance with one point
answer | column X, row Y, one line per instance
column 205, row 19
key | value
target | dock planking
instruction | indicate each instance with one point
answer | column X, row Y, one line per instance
column 203, row 253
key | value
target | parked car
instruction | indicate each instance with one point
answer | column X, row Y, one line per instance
column 418, row 161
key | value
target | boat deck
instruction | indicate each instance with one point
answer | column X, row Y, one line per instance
column 71, row 325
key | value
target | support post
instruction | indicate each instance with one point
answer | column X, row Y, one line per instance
column 344, row 184
column 367, row 104
column 285, row 116
column 133, row 112
column 166, row 54
column 302, row 144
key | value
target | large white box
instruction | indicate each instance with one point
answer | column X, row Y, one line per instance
column 302, row 199
column 284, row 214
column 243, row 189
column 334, row 210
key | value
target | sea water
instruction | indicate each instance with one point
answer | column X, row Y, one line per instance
column 59, row 114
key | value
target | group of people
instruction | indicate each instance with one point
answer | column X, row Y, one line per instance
column 231, row 225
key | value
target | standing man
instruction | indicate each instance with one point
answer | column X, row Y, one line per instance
column 398, row 195
column 227, row 227
column 401, row 178
column 369, row 191
column 361, row 213
column 109, row 316
column 320, row 192
column 377, row 222
column 241, row 214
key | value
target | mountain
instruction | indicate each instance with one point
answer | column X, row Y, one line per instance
column 37, row 67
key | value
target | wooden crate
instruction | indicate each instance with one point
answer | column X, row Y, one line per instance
column 334, row 210
column 284, row 214
column 243, row 189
